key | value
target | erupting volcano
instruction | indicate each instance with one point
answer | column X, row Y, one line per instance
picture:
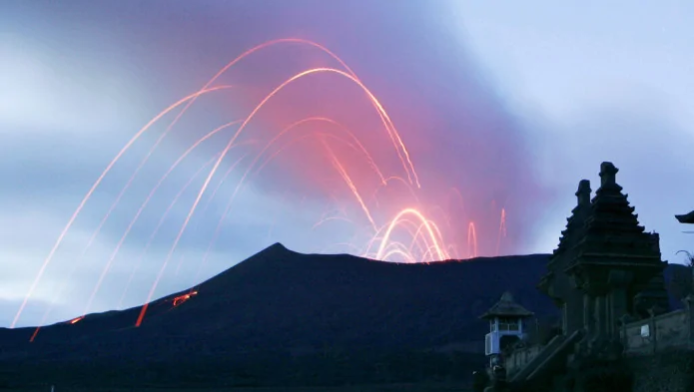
column 328, row 137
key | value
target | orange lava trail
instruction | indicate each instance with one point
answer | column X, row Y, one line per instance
column 263, row 164
column 231, row 168
column 146, row 202
column 399, row 179
column 183, row 298
column 430, row 253
column 231, row 142
column 323, row 221
column 415, row 241
column 472, row 239
column 390, row 127
column 209, row 201
column 359, row 146
column 342, row 173
column 206, row 87
column 95, row 185
column 405, row 223
column 393, row 252
column 418, row 238
column 348, row 180
column 243, row 178
column 429, row 227
column 223, row 179
column 502, row 231
column 159, row 224
column 386, row 120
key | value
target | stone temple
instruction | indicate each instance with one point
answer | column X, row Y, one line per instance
column 617, row 330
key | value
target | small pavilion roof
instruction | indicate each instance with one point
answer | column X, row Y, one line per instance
column 506, row 307
column 686, row 218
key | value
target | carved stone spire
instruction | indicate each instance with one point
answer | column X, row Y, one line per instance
column 608, row 174
column 574, row 224
column 612, row 224
column 583, row 193
column 612, row 236
column 569, row 236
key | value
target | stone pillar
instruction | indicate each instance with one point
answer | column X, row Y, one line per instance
column 588, row 313
column 619, row 301
column 599, row 312
column 623, row 323
column 574, row 319
column 652, row 329
column 689, row 309
column 610, row 323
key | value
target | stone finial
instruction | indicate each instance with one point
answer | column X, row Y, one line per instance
column 507, row 296
column 583, row 192
column 608, row 174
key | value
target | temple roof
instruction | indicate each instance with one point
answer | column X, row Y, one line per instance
column 506, row 307
column 575, row 223
column 612, row 233
column 686, row 218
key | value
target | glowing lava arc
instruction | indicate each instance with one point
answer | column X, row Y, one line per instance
column 71, row 322
column 472, row 239
column 358, row 146
column 431, row 230
column 67, row 227
column 183, row 298
column 348, row 180
column 390, row 128
column 502, row 231
column 162, row 219
column 146, row 202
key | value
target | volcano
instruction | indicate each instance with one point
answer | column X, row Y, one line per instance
column 286, row 318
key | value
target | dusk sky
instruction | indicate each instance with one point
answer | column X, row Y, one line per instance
column 498, row 109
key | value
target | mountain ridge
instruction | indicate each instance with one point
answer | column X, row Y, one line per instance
column 280, row 316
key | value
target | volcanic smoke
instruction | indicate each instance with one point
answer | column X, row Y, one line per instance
column 403, row 185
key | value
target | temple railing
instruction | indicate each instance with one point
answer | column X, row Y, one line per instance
column 520, row 357
column 559, row 346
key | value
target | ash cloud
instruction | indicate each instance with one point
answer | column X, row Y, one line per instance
column 141, row 57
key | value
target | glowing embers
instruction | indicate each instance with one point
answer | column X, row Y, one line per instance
column 76, row 320
column 183, row 298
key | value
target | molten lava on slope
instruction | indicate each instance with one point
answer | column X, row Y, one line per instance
column 183, row 298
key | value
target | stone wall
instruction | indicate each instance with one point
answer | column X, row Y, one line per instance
column 664, row 332
column 670, row 370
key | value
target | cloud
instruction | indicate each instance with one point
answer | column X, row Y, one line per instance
column 649, row 147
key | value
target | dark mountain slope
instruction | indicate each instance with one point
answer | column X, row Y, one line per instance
column 282, row 317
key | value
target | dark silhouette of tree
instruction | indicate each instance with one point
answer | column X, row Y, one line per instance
column 681, row 283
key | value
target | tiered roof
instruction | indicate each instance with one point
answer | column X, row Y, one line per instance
column 569, row 236
column 574, row 223
column 686, row 218
column 506, row 307
column 612, row 234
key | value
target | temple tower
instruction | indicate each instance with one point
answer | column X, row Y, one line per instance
column 556, row 283
column 614, row 260
column 506, row 319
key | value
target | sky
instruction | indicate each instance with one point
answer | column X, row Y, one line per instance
column 491, row 114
